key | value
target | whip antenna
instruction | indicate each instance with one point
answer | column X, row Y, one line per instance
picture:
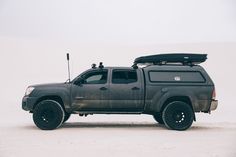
column 68, row 63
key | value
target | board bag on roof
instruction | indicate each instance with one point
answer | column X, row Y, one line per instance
column 184, row 58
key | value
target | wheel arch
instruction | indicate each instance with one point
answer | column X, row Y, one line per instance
column 51, row 97
column 184, row 99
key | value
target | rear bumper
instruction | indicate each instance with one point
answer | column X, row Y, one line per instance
column 214, row 105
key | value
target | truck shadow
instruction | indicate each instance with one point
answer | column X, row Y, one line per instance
column 110, row 125
column 131, row 125
column 126, row 125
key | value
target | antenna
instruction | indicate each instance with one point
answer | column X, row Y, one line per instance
column 68, row 63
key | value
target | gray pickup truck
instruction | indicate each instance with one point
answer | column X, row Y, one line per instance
column 171, row 87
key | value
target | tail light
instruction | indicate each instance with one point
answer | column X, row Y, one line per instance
column 214, row 94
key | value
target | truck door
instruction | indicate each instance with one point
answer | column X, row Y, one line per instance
column 90, row 91
column 126, row 91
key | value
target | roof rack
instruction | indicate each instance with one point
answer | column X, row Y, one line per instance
column 182, row 58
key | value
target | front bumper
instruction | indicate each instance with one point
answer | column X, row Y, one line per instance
column 214, row 105
column 28, row 103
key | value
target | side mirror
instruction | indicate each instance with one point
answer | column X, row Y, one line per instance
column 79, row 82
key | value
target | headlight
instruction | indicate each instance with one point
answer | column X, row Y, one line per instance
column 29, row 90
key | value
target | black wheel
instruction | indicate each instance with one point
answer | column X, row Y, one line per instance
column 66, row 117
column 178, row 115
column 48, row 115
column 158, row 118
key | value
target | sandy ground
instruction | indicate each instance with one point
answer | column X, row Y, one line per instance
column 116, row 135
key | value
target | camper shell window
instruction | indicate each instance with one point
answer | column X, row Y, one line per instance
column 176, row 76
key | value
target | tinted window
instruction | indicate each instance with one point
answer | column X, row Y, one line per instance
column 124, row 76
column 176, row 76
column 98, row 77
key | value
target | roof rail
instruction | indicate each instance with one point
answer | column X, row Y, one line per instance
column 161, row 59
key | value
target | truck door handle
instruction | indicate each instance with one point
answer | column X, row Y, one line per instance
column 79, row 98
column 164, row 90
column 103, row 88
column 135, row 88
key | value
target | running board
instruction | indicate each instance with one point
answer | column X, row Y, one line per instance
column 104, row 112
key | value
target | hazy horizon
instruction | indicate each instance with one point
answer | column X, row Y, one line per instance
column 36, row 35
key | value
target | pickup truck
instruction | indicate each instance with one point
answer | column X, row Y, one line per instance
column 171, row 87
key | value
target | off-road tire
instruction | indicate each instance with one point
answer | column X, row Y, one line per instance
column 178, row 115
column 66, row 117
column 158, row 118
column 48, row 115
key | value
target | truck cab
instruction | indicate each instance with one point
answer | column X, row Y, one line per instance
column 108, row 90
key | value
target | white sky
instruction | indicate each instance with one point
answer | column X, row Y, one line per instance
column 120, row 21
column 35, row 36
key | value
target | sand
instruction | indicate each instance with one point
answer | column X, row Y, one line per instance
column 116, row 136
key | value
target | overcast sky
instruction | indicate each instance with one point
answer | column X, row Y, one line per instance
column 120, row 21
column 36, row 35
